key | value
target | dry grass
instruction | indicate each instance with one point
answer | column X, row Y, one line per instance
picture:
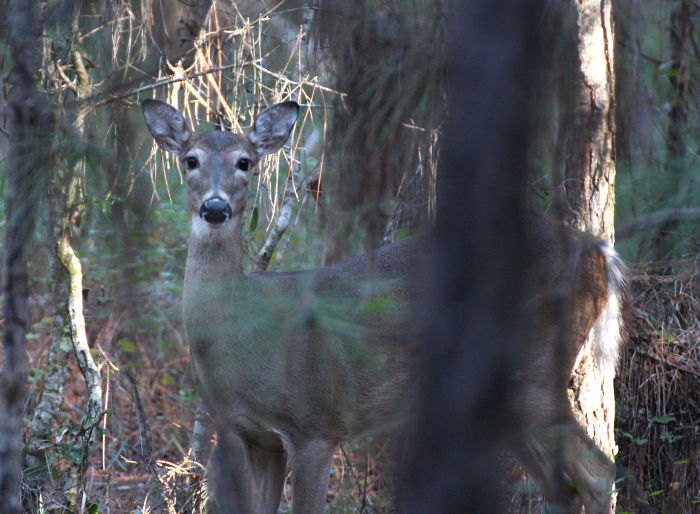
column 226, row 85
column 143, row 460
column 658, row 397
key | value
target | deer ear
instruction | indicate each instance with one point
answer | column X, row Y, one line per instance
column 273, row 126
column 166, row 124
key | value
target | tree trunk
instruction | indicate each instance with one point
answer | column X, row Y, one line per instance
column 590, row 194
column 590, row 169
column 66, row 205
column 681, row 33
column 27, row 159
column 468, row 313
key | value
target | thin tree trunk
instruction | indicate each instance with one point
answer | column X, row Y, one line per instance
column 67, row 257
column 294, row 175
column 65, row 199
column 25, row 172
column 681, row 33
column 590, row 193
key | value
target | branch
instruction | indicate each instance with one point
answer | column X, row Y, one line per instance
column 667, row 363
column 273, row 239
column 87, row 365
column 290, row 198
column 658, row 218
column 149, row 87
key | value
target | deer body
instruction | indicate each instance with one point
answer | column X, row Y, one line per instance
column 293, row 363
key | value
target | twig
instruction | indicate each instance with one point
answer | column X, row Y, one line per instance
column 360, row 489
column 142, row 417
column 659, row 218
column 149, row 87
column 300, row 83
column 65, row 78
column 290, row 193
column 668, row 363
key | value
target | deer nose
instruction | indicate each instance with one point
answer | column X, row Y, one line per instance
column 215, row 210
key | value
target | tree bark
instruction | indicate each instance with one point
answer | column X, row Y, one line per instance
column 470, row 329
column 72, row 197
column 65, row 199
column 590, row 169
column 590, row 195
column 27, row 159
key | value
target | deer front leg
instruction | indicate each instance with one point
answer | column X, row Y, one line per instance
column 231, row 481
column 311, row 465
column 267, row 469
column 555, row 450
column 248, row 479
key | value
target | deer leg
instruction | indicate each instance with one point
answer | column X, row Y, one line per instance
column 311, row 464
column 231, row 480
column 267, row 470
column 248, row 479
column 569, row 466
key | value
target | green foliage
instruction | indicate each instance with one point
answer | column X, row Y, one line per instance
column 657, row 151
column 637, row 441
column 664, row 420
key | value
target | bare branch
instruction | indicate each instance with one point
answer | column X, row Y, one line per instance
column 156, row 85
column 678, row 214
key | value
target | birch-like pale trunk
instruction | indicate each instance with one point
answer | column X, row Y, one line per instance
column 291, row 197
column 66, row 207
column 590, row 194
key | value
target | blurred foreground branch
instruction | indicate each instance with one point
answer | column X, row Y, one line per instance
column 677, row 214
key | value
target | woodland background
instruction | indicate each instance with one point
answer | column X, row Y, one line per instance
column 111, row 229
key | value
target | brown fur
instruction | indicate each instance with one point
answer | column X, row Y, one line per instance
column 293, row 363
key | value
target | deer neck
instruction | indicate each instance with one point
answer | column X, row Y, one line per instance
column 213, row 255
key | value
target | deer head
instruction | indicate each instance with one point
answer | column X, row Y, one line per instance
column 218, row 164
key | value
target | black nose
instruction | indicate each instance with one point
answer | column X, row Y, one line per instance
column 215, row 210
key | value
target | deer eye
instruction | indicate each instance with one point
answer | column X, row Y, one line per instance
column 243, row 164
column 191, row 163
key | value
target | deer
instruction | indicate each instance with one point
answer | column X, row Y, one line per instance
column 291, row 364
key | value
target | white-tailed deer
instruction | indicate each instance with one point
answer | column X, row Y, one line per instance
column 291, row 364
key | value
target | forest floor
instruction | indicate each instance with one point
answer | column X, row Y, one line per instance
column 143, row 463
column 143, row 460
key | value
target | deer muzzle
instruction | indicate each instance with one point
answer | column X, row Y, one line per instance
column 215, row 210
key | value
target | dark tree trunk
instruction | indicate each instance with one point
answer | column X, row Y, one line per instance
column 470, row 330
column 28, row 132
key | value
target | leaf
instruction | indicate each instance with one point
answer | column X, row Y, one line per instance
column 671, row 438
column 35, row 375
column 166, row 380
column 639, row 442
column 126, row 345
column 664, row 420
column 655, row 493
